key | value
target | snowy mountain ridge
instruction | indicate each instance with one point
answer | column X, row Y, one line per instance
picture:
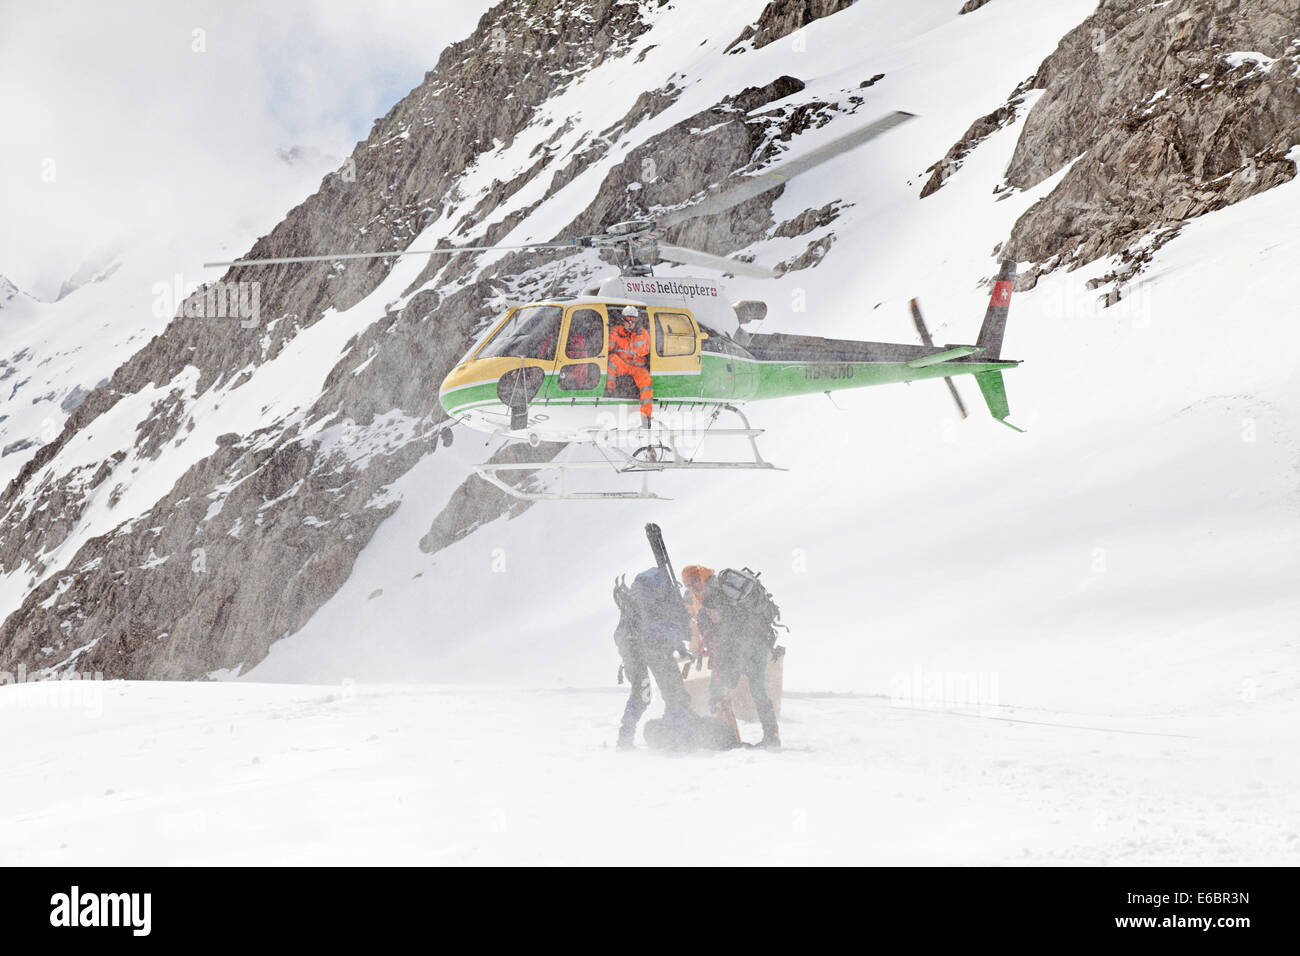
column 291, row 480
column 8, row 291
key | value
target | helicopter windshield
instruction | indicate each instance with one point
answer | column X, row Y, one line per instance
column 531, row 332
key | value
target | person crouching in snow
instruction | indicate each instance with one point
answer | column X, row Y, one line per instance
column 652, row 625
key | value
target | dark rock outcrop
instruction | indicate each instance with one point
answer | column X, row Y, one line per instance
column 979, row 131
column 780, row 18
column 1167, row 112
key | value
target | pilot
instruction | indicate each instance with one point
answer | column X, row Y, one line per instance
column 577, row 347
column 629, row 354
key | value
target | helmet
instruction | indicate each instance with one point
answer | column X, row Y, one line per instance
column 630, row 312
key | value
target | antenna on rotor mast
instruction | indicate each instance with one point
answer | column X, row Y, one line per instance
column 634, row 266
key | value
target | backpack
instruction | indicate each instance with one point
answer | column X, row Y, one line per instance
column 742, row 589
column 660, row 614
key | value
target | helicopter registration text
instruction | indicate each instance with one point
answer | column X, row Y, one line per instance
column 843, row 371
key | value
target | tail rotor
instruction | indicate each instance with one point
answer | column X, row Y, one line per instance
column 924, row 332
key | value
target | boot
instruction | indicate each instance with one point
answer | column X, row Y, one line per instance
column 645, row 422
column 632, row 712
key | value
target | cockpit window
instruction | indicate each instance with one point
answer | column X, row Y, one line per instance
column 586, row 334
column 531, row 332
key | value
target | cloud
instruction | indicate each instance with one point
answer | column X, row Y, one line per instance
column 174, row 120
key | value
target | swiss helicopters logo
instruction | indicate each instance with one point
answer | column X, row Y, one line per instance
column 688, row 290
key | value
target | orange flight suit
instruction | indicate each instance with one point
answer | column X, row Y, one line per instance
column 629, row 354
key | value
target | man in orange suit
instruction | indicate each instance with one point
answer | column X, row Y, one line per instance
column 629, row 354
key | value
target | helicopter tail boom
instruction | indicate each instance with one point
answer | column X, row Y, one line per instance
column 995, row 318
column 990, row 340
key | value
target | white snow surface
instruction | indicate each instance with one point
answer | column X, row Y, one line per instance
column 245, row 773
column 1122, row 578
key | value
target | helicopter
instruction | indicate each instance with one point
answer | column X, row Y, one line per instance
column 541, row 372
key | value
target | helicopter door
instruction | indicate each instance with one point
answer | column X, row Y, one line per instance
column 675, row 363
column 580, row 362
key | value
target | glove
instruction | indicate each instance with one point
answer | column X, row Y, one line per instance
column 621, row 593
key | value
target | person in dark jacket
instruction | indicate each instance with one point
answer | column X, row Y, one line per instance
column 741, row 644
column 652, row 626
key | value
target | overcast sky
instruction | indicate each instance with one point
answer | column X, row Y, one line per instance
column 166, row 119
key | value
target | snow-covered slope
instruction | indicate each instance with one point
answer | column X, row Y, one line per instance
column 229, row 774
column 52, row 354
column 1112, row 593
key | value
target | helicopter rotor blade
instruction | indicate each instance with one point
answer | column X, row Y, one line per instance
column 717, row 199
column 694, row 257
column 724, row 198
column 580, row 242
column 929, row 343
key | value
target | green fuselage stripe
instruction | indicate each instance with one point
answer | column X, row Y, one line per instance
column 729, row 378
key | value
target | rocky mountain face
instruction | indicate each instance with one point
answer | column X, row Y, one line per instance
column 217, row 489
column 780, row 18
column 1162, row 112
column 252, row 529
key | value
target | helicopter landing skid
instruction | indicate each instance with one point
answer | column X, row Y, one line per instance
column 661, row 452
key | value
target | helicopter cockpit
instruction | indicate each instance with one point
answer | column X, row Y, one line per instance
column 528, row 332
column 553, row 353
